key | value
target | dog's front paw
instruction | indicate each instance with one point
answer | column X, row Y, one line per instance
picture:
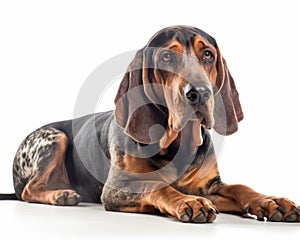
column 273, row 209
column 197, row 210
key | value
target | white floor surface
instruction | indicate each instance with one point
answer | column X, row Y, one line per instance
column 24, row 221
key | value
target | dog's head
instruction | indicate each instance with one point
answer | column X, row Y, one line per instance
column 179, row 79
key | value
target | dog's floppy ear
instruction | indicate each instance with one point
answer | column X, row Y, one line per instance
column 135, row 113
column 227, row 111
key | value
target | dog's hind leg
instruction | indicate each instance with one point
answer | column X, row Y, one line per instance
column 39, row 169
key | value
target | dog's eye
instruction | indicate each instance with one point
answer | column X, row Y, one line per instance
column 208, row 56
column 166, row 57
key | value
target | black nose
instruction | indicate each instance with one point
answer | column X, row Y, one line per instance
column 198, row 95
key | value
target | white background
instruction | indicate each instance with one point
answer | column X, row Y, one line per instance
column 49, row 48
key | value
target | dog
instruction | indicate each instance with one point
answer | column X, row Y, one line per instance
column 153, row 153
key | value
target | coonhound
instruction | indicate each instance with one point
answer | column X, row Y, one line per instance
column 153, row 153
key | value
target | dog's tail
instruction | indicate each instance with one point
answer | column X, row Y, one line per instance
column 10, row 196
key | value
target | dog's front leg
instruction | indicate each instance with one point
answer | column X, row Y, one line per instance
column 242, row 199
column 135, row 186
column 167, row 201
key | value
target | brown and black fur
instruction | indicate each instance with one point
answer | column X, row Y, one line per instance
column 182, row 83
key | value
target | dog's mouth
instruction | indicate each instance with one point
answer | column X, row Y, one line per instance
column 204, row 118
